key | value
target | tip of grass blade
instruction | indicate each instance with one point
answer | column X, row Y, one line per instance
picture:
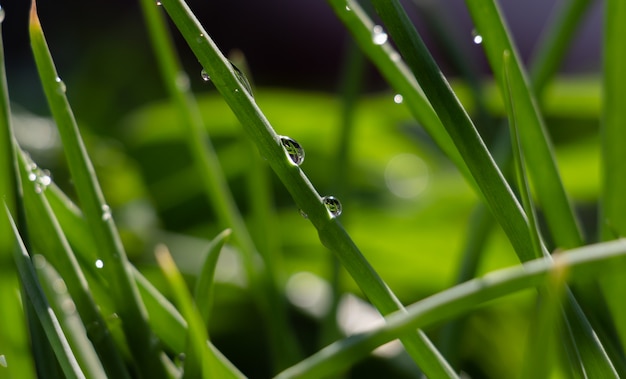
column 34, row 19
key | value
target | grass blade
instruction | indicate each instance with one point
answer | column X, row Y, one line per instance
column 613, row 134
column 541, row 163
column 123, row 289
column 209, row 364
column 306, row 197
column 46, row 316
column 580, row 264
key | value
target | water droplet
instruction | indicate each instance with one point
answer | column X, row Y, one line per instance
column 205, row 75
column 303, row 214
column 2, row 19
column 3, row 359
column 333, row 205
column 32, row 176
column 398, row 99
column 106, row 213
column 242, row 78
column 379, row 37
column 477, row 38
column 38, row 188
column 348, row 8
column 158, row 3
column 99, row 263
column 294, row 151
column 61, row 85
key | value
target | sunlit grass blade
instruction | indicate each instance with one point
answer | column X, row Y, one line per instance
column 49, row 238
column 541, row 163
column 554, row 43
column 123, row 289
column 612, row 217
column 580, row 264
column 46, row 316
column 492, row 186
column 210, row 365
column 330, row 231
column 60, row 301
column 13, row 336
column 210, row 174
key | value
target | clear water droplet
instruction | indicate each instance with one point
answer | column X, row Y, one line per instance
column 379, row 37
column 38, row 188
column 3, row 359
column 242, row 79
column 158, row 3
column 303, row 214
column 106, row 213
column 398, row 99
column 294, row 151
column 32, row 176
column 333, row 205
column 205, row 76
column 348, row 8
column 61, row 85
column 477, row 38
column 99, row 263
column 2, row 19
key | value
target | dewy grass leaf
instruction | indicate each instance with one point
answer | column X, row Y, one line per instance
column 490, row 181
column 612, row 215
column 210, row 364
column 46, row 316
column 330, row 231
column 540, row 159
column 123, row 289
column 47, row 233
column 581, row 264
column 210, row 174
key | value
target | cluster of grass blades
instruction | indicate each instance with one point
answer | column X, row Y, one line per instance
column 73, row 305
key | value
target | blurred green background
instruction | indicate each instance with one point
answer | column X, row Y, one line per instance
column 404, row 204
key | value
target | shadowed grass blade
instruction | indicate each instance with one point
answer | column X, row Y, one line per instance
column 580, row 264
column 209, row 364
column 46, row 316
column 330, row 231
column 612, row 217
column 97, row 214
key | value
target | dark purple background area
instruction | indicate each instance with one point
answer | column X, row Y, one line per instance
column 296, row 44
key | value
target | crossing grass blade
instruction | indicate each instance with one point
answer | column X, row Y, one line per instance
column 123, row 289
column 36, row 297
column 580, row 264
column 612, row 218
column 330, row 231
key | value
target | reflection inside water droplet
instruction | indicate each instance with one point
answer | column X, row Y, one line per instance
column 379, row 37
column 333, row 205
column 294, row 151
column 205, row 76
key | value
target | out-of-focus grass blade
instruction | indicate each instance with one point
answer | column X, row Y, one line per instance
column 64, row 307
column 47, row 233
column 612, row 217
column 493, row 187
column 203, row 293
column 13, row 335
column 46, row 316
column 210, row 365
column 209, row 172
column 270, row 146
column 580, row 264
column 97, row 213
column 540, row 159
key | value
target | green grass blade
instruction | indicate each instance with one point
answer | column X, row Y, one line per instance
column 209, row 364
column 46, row 316
column 553, row 44
column 306, row 197
column 493, row 187
column 123, row 289
column 13, row 339
column 63, row 306
column 203, row 292
column 541, row 163
column 209, row 172
column 47, row 234
column 612, row 217
column 580, row 264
